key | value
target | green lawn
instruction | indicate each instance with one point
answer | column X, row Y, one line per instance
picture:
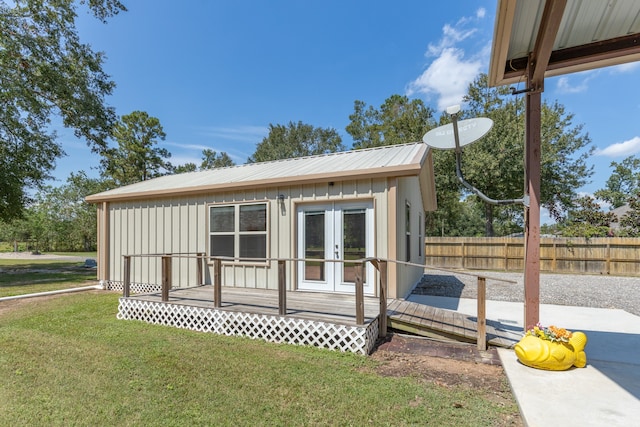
column 69, row 361
column 23, row 276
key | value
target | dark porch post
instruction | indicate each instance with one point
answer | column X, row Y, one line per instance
column 532, row 211
column 382, row 270
column 126, row 284
column 199, row 268
column 217, row 283
column 482, row 313
column 282, row 287
column 359, row 270
column 166, row 277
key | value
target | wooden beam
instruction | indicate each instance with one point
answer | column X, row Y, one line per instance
column 599, row 54
column 532, row 211
column 482, row 313
column 546, row 37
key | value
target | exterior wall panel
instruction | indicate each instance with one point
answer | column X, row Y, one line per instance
column 408, row 276
column 180, row 225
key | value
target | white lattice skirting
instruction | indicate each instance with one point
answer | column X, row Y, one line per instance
column 279, row 329
column 134, row 288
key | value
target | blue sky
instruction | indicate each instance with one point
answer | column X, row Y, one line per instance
column 217, row 73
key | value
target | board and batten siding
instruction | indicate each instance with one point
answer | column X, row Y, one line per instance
column 408, row 276
column 170, row 226
column 180, row 225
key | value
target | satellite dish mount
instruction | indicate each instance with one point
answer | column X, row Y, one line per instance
column 464, row 132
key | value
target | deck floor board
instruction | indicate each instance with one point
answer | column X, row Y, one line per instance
column 340, row 309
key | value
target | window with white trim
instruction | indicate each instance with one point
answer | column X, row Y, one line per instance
column 238, row 231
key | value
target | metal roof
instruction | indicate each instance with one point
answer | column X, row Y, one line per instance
column 394, row 160
column 572, row 35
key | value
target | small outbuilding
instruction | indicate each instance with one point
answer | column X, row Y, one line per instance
column 310, row 210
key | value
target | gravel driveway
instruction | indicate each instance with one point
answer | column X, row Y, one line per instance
column 560, row 289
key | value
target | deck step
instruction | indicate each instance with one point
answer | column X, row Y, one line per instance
column 433, row 322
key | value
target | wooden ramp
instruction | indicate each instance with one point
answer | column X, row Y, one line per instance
column 433, row 322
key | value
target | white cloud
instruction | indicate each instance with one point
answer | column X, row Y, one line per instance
column 625, row 68
column 187, row 146
column 566, row 85
column 448, row 76
column 621, row 149
column 253, row 134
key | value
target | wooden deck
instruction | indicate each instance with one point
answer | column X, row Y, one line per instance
column 433, row 322
column 338, row 309
column 316, row 319
column 324, row 307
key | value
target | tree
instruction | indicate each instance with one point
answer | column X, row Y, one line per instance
column 137, row 158
column 46, row 72
column 398, row 121
column 630, row 221
column 495, row 164
column 210, row 160
column 624, row 180
column 59, row 218
column 296, row 140
column 586, row 219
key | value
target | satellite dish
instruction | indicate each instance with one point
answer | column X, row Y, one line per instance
column 469, row 130
column 456, row 135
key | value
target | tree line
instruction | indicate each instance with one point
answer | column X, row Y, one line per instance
column 47, row 72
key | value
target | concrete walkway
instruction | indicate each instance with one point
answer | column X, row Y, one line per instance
column 606, row 392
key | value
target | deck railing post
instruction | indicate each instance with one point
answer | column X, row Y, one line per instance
column 166, row 277
column 359, row 270
column 482, row 314
column 126, row 284
column 217, row 282
column 382, row 270
column 199, row 268
column 282, row 287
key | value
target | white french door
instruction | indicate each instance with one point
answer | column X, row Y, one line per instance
column 335, row 231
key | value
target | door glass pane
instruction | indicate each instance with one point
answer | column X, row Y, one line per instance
column 314, row 245
column 355, row 243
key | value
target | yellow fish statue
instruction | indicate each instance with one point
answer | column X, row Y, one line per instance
column 539, row 353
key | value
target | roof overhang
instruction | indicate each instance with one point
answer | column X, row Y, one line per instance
column 561, row 37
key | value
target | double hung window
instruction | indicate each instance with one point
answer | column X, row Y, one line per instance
column 238, row 231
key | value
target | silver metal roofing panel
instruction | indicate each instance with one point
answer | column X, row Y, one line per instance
column 348, row 164
column 585, row 25
column 584, row 21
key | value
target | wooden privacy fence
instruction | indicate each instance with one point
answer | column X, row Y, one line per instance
column 618, row 256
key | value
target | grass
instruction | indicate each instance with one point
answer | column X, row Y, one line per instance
column 24, row 276
column 69, row 361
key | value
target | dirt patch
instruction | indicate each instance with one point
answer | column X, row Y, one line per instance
column 447, row 365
